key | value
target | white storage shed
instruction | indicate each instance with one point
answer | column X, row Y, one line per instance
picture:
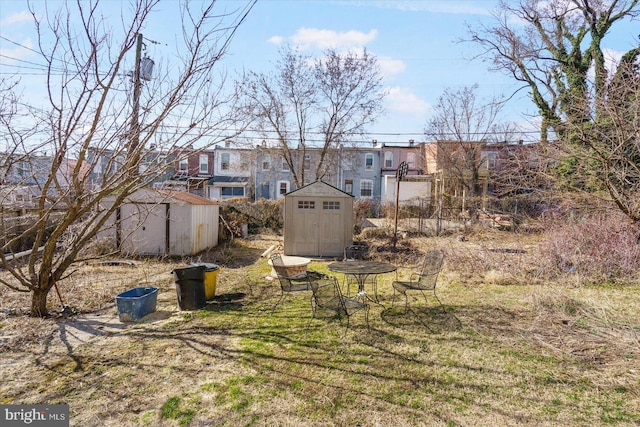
column 163, row 222
column 318, row 221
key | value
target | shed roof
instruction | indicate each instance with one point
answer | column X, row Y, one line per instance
column 319, row 188
column 187, row 197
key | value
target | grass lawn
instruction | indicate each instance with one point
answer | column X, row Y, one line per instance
column 503, row 354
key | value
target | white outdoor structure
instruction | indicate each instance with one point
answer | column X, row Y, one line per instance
column 163, row 222
column 318, row 220
column 413, row 189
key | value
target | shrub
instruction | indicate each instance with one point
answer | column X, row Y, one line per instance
column 595, row 248
column 263, row 214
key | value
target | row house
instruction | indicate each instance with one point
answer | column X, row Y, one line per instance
column 273, row 177
column 264, row 173
column 466, row 170
column 232, row 172
column 417, row 186
column 458, row 170
column 105, row 164
column 190, row 170
column 23, row 177
column 360, row 172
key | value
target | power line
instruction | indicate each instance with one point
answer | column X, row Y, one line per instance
column 18, row 44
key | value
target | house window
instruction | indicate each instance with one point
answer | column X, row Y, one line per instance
column 306, row 204
column 307, row 162
column 204, row 163
column 331, row 206
column 225, row 161
column 232, row 192
column 23, row 168
column 411, row 160
column 283, row 188
column 488, row 159
column 348, row 186
column 285, row 165
column 366, row 188
column 119, row 163
column 98, row 168
column 183, row 165
column 144, row 166
column 266, row 164
column 388, row 159
column 368, row 161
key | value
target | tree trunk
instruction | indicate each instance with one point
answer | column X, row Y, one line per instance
column 39, row 302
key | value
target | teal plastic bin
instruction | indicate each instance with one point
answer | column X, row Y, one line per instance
column 136, row 303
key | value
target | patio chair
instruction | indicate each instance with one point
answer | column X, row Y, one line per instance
column 328, row 296
column 424, row 280
column 291, row 283
column 358, row 252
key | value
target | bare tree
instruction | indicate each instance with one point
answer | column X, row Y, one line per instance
column 552, row 47
column 462, row 126
column 309, row 105
column 89, row 119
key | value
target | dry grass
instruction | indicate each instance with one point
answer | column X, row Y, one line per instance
column 512, row 349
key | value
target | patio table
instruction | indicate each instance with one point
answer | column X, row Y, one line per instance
column 361, row 270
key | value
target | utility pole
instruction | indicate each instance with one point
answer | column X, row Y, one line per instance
column 133, row 156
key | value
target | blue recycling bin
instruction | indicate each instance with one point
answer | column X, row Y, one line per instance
column 136, row 303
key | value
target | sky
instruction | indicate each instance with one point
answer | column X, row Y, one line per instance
column 417, row 43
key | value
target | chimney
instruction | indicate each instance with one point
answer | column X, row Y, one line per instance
column 374, row 142
column 227, row 144
column 411, row 141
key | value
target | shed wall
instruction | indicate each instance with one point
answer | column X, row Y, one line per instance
column 175, row 228
column 314, row 226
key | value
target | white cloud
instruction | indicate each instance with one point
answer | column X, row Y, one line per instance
column 276, row 40
column 436, row 6
column 19, row 52
column 402, row 100
column 391, row 67
column 307, row 38
column 16, row 18
column 19, row 49
column 612, row 59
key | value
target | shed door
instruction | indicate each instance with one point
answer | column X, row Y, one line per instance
column 318, row 227
column 144, row 228
column 305, row 226
column 331, row 239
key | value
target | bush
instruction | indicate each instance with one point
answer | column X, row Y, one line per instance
column 263, row 214
column 595, row 248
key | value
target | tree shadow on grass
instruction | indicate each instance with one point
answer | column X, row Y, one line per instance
column 226, row 302
column 432, row 319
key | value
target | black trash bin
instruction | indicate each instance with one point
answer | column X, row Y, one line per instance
column 190, row 287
